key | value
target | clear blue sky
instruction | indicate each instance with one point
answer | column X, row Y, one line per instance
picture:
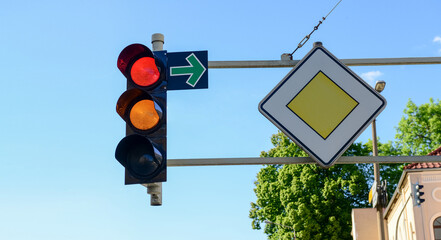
column 59, row 86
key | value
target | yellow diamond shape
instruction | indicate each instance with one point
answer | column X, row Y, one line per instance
column 322, row 104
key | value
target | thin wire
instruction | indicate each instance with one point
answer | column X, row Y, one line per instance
column 333, row 8
column 306, row 38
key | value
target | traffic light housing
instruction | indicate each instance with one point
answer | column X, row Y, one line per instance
column 417, row 193
column 143, row 152
column 383, row 194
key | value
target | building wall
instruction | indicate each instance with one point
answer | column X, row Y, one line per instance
column 400, row 218
column 364, row 224
column 404, row 219
column 431, row 208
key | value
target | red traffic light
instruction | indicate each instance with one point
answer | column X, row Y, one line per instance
column 138, row 64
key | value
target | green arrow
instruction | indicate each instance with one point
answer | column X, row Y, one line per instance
column 195, row 70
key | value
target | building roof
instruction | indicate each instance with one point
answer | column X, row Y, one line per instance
column 436, row 152
column 423, row 165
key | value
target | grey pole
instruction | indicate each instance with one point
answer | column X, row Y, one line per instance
column 379, row 86
column 380, row 221
column 157, row 42
column 155, row 189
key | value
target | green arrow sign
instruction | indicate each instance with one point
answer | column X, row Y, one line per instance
column 195, row 70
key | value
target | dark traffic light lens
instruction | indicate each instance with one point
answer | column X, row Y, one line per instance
column 144, row 165
column 142, row 161
column 144, row 72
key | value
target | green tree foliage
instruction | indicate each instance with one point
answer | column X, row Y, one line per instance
column 419, row 131
column 317, row 202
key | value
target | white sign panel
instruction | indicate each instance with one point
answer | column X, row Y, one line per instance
column 322, row 106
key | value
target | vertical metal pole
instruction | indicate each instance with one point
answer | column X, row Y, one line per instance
column 380, row 222
column 155, row 189
column 157, row 42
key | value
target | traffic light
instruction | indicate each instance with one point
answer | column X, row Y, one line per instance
column 383, row 194
column 416, row 193
column 143, row 152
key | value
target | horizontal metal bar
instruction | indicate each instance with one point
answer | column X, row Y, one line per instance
column 392, row 61
column 253, row 64
column 348, row 62
column 298, row 160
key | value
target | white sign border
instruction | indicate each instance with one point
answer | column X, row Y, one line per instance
column 373, row 113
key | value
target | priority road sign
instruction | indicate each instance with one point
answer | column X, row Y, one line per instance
column 322, row 106
column 188, row 70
